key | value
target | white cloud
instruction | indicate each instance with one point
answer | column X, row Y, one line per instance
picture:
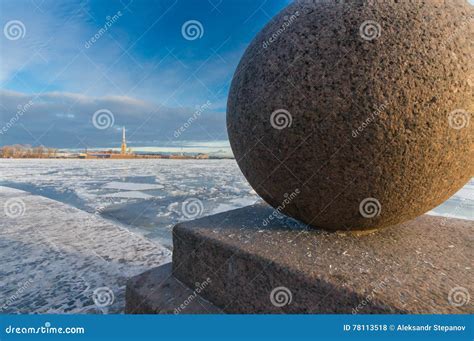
column 63, row 119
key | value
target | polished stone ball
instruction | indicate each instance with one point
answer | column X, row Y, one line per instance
column 356, row 115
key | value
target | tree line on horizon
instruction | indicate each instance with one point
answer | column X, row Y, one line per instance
column 27, row 151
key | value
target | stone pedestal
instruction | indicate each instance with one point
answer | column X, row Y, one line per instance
column 243, row 261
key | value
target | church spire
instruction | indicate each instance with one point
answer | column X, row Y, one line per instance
column 123, row 149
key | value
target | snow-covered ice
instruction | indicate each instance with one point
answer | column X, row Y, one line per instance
column 146, row 196
column 130, row 186
column 55, row 258
column 129, row 195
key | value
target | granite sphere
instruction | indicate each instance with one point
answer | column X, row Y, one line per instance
column 356, row 115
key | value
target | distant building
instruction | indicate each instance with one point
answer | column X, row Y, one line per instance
column 123, row 148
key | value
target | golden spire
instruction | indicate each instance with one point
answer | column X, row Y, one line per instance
column 123, row 149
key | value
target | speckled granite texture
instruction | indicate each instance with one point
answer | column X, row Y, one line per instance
column 157, row 291
column 345, row 101
column 422, row 266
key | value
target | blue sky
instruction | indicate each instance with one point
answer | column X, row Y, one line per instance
column 142, row 69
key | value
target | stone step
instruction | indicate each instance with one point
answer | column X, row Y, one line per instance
column 253, row 264
column 158, row 292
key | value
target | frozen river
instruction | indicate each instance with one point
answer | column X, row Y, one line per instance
column 146, row 196
column 150, row 196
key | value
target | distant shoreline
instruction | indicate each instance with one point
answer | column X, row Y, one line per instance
column 19, row 151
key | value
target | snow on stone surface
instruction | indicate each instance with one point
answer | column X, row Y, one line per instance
column 54, row 257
